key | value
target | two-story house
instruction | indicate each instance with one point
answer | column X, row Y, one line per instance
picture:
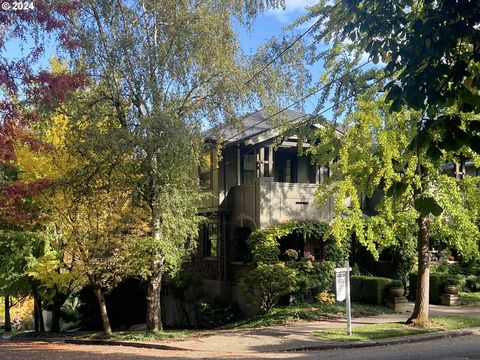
column 257, row 180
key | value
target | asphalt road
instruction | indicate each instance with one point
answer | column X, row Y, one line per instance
column 467, row 347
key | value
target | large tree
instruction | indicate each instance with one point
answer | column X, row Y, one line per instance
column 429, row 57
column 419, row 198
column 170, row 69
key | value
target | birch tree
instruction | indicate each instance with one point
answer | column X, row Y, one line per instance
column 171, row 69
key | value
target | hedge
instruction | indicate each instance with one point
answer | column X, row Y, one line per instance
column 369, row 289
column 437, row 283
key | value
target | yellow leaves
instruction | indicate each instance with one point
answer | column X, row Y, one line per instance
column 52, row 163
column 56, row 133
column 57, row 66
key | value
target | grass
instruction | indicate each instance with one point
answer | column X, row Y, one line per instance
column 140, row 336
column 306, row 312
column 388, row 330
column 470, row 298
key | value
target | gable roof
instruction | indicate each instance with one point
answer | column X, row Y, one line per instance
column 257, row 127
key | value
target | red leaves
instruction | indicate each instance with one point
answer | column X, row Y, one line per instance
column 16, row 202
column 50, row 89
column 24, row 89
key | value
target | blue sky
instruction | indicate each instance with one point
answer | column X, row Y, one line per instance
column 273, row 23
column 270, row 23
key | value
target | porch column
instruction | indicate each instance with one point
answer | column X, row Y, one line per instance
column 260, row 162
column 322, row 174
column 270, row 162
column 239, row 179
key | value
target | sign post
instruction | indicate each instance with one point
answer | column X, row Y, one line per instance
column 342, row 287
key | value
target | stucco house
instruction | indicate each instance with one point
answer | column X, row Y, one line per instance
column 258, row 180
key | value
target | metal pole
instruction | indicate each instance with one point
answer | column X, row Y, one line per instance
column 348, row 305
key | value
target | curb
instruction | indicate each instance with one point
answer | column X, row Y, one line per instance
column 124, row 343
column 387, row 341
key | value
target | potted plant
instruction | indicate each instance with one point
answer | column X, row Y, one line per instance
column 452, row 286
column 396, row 289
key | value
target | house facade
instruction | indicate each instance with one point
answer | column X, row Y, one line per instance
column 257, row 181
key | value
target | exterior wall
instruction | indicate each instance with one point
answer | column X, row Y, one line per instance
column 302, row 169
column 266, row 202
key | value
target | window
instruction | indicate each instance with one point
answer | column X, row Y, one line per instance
column 266, row 162
column 249, row 168
column 312, row 173
column 209, row 238
column 286, row 167
column 205, row 171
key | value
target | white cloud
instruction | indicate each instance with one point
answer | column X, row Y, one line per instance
column 293, row 9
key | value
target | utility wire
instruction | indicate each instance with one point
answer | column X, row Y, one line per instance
column 310, row 117
column 298, row 101
column 293, row 43
column 279, row 55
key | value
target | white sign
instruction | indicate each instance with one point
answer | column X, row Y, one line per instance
column 340, row 285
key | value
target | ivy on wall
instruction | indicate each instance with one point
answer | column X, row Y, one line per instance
column 264, row 243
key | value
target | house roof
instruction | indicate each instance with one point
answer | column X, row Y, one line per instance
column 257, row 127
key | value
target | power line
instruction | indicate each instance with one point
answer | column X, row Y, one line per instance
column 279, row 55
column 293, row 43
column 298, row 101
column 309, row 117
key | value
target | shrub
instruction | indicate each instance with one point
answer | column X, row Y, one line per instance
column 325, row 298
column 369, row 289
column 291, row 254
column 264, row 242
column 266, row 283
column 312, row 277
column 437, row 284
column 215, row 312
column 396, row 283
column 472, row 283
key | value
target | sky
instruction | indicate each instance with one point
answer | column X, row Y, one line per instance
column 273, row 23
column 270, row 23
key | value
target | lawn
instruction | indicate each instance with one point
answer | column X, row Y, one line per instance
column 140, row 336
column 470, row 298
column 306, row 312
column 389, row 330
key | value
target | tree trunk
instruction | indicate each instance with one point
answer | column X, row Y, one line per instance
column 107, row 329
column 37, row 303
column 420, row 312
column 8, row 322
column 58, row 300
column 154, row 317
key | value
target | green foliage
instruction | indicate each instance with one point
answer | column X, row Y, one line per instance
column 140, row 336
column 264, row 242
column 396, row 283
column 18, row 251
column 290, row 254
column 431, row 62
column 369, row 289
column 312, row 278
column 387, row 330
column 266, row 283
column 372, row 331
column 437, row 284
column 468, row 299
column 314, row 312
column 215, row 312
column 472, row 283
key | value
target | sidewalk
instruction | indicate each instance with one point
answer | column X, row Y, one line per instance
column 297, row 336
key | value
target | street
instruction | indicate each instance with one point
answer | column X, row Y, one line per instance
column 467, row 347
